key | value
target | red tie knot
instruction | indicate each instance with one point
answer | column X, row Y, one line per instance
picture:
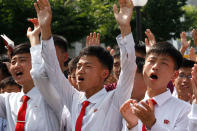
column 25, row 99
column 153, row 101
column 86, row 103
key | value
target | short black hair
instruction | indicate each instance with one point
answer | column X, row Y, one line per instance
column 72, row 65
column 21, row 49
column 140, row 63
column 8, row 81
column 187, row 63
column 4, row 70
column 141, row 48
column 165, row 48
column 61, row 42
column 102, row 54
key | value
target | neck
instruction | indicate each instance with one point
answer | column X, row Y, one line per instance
column 154, row 92
column 27, row 87
column 90, row 93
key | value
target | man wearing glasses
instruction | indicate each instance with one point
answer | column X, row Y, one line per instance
column 182, row 82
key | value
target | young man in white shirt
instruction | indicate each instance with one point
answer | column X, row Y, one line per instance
column 164, row 112
column 93, row 68
column 183, row 83
column 38, row 115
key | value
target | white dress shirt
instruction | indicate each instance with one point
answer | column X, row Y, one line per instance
column 170, row 113
column 39, row 116
column 193, row 118
column 102, row 114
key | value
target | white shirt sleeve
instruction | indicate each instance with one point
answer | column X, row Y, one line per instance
column 41, row 81
column 193, row 118
column 2, row 106
column 61, row 90
column 128, row 69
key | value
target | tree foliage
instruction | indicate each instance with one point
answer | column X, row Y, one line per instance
column 76, row 19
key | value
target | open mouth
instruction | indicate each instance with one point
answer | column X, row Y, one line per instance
column 19, row 73
column 153, row 76
column 80, row 79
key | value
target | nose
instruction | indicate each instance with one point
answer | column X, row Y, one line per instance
column 81, row 70
column 155, row 66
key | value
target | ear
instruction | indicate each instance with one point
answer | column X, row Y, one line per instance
column 65, row 56
column 69, row 79
column 105, row 73
column 175, row 75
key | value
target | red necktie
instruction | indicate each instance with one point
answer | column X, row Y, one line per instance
column 20, row 125
column 80, row 117
column 154, row 102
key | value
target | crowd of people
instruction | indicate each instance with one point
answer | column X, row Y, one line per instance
column 142, row 86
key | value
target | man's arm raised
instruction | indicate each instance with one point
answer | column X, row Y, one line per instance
column 127, row 52
column 51, row 64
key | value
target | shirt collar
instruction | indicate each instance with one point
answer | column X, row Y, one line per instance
column 31, row 94
column 95, row 98
column 161, row 98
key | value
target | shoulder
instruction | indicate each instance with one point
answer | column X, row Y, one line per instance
column 179, row 103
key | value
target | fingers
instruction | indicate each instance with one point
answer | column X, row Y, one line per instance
column 87, row 41
column 93, row 39
column 40, row 4
column 115, row 9
column 112, row 51
column 28, row 31
column 36, row 7
column 98, row 39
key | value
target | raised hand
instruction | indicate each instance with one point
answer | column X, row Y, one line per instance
column 34, row 35
column 123, row 17
column 194, row 35
column 127, row 113
column 93, row 39
column 111, row 50
column 150, row 40
column 145, row 113
column 184, row 43
column 194, row 82
column 192, row 55
column 44, row 14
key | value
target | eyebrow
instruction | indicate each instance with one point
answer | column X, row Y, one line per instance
column 164, row 59
column 20, row 57
column 86, row 63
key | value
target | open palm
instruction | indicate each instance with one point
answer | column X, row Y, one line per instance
column 44, row 13
column 123, row 17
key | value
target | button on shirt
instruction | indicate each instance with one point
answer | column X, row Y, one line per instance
column 170, row 113
column 39, row 117
column 102, row 114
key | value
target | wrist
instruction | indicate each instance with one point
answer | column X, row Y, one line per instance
column 46, row 33
column 130, row 126
column 125, row 30
column 151, row 124
column 34, row 40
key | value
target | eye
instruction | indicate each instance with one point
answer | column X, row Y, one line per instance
column 78, row 66
column 164, row 63
column 181, row 75
column 13, row 62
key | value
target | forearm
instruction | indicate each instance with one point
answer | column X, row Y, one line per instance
column 34, row 40
column 125, row 30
